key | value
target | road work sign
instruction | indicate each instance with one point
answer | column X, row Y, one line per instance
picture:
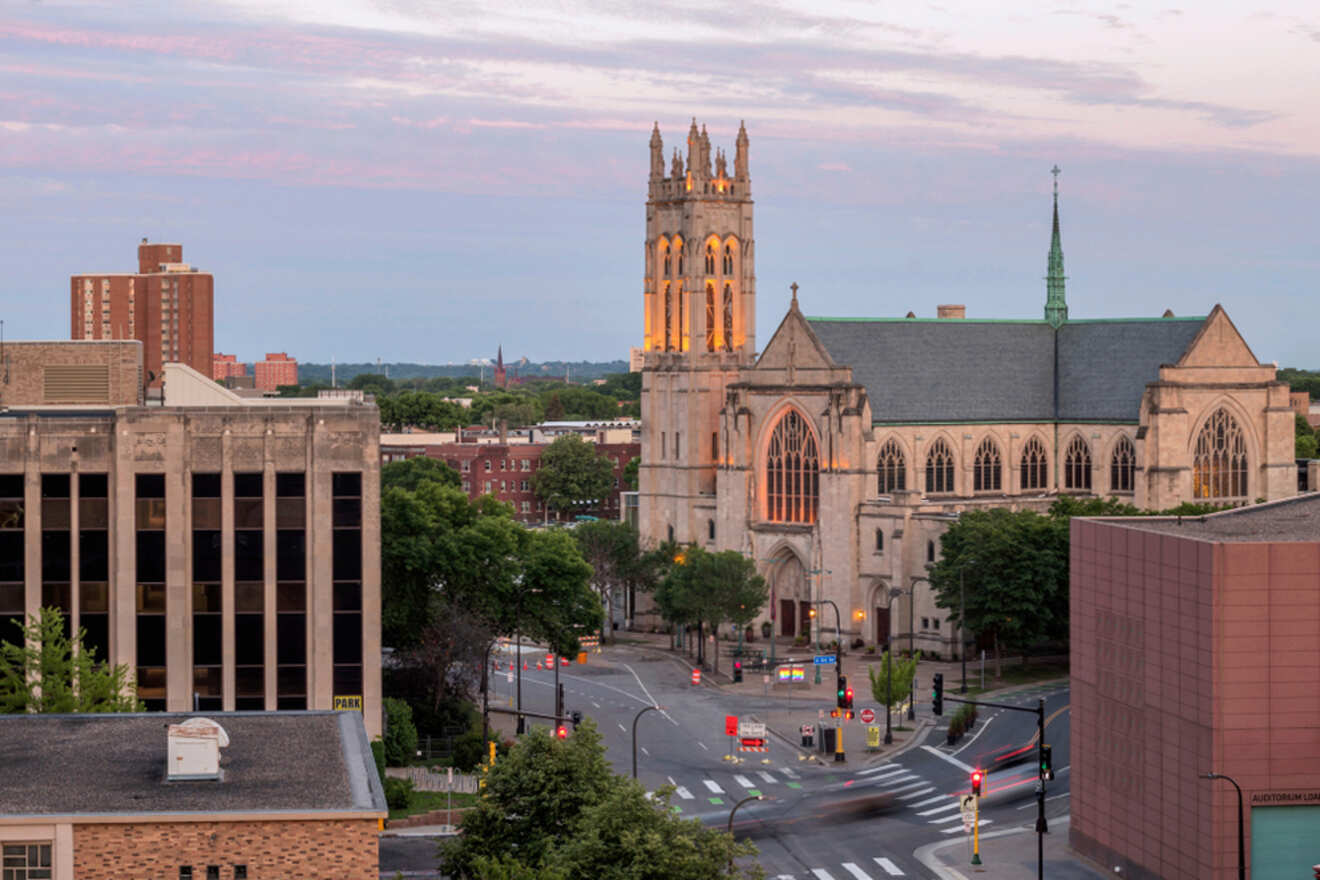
column 730, row 725
column 873, row 737
column 751, row 730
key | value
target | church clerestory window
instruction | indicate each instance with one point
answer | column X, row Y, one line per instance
column 728, row 317
column 710, row 316
column 987, row 469
column 1219, row 466
column 1123, row 466
column 891, row 468
column 939, row 468
column 792, row 471
column 1035, row 466
column 664, row 253
column 669, row 319
column 728, row 260
column 1077, row 465
column 710, row 259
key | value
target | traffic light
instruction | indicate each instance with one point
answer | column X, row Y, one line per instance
column 576, row 718
column 834, row 713
column 976, row 782
column 937, row 695
column 1046, row 764
column 737, row 671
column 561, row 731
column 843, row 692
column 848, row 699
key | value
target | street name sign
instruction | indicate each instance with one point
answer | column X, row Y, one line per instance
column 824, row 659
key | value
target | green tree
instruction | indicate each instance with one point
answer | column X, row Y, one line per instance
column 612, row 550
column 412, row 472
column 573, row 476
column 400, row 733
column 1306, row 441
column 554, row 408
column 631, row 471
column 891, row 681
column 553, row 809
column 710, row 589
column 52, row 672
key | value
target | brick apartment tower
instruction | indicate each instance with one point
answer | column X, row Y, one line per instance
column 166, row 305
column 226, row 366
column 276, row 370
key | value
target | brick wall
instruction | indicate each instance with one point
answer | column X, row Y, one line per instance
column 122, row 362
column 326, row 850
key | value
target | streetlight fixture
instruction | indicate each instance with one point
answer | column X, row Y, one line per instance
column 755, row 797
column 838, row 635
column 636, row 717
column 1242, row 853
column 894, row 593
column 912, row 650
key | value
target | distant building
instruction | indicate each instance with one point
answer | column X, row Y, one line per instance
column 226, row 366
column 166, row 305
column 227, row 550
column 232, row 796
column 276, row 370
column 1194, row 650
column 501, row 375
column 501, row 463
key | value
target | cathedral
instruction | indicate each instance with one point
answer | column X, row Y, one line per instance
column 837, row 455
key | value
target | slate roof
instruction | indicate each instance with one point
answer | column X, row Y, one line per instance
column 968, row 370
column 99, row 764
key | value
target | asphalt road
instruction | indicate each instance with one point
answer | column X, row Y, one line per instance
column 853, row 821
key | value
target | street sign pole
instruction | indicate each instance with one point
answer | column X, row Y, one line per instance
column 976, row 830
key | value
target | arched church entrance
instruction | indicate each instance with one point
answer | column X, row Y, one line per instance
column 790, row 593
column 880, row 602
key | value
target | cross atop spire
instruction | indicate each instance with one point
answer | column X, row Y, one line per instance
column 794, row 287
column 1055, row 171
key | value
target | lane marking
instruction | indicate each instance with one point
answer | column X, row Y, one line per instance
column 822, row 874
column 715, row 786
column 931, row 800
column 957, row 829
column 683, row 793
column 884, row 769
column 945, row 820
column 742, row 780
column 889, row 867
column 671, row 780
column 856, row 871
column 594, row 703
column 949, row 806
column 766, row 776
column 918, row 793
column 654, row 701
column 645, row 752
column 966, row 768
column 702, row 744
column 624, row 729
column 978, row 733
column 894, row 779
column 917, row 784
column 792, row 774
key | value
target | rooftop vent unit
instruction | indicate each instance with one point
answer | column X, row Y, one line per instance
column 194, row 750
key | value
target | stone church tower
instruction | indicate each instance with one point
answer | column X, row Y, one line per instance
column 699, row 323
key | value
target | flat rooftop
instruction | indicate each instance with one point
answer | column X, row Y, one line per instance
column 1291, row 519
column 303, row 762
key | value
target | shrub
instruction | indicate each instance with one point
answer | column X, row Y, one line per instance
column 858, row 643
column 400, row 733
column 766, row 629
column 398, row 793
column 378, row 752
column 870, row 649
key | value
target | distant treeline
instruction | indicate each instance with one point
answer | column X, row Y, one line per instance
column 577, row 371
column 1302, row 380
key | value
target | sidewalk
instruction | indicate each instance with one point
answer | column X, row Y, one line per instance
column 1009, row 854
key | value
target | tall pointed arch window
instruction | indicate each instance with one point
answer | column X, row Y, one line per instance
column 680, row 335
column 728, row 317
column 710, row 316
column 987, row 469
column 1123, row 466
column 792, row 471
column 665, row 257
column 710, row 259
column 728, row 260
column 891, row 468
column 1035, row 465
column 1219, row 466
column 681, row 247
column 669, row 319
column 1077, row 465
column 939, row 468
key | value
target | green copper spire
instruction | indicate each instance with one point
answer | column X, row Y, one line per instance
column 1056, row 307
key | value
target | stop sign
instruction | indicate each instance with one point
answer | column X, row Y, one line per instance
column 867, row 716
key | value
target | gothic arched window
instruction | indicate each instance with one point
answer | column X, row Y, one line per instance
column 680, row 340
column 1077, row 465
column 669, row 319
column 987, row 473
column 728, row 259
column 710, row 259
column 939, row 468
column 792, row 471
column 930, row 551
column 728, row 317
column 1035, row 469
column 1219, row 465
column 664, row 255
column 682, row 253
column 1123, row 466
column 891, row 468
column 710, row 316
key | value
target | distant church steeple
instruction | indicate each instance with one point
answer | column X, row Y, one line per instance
column 1056, row 306
column 501, row 377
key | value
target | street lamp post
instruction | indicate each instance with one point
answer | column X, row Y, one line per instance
column 894, row 593
column 1242, row 852
column 838, row 635
column 755, row 797
column 912, row 651
column 636, row 717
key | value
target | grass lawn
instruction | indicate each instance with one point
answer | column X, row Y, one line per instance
column 1014, row 675
column 425, row 801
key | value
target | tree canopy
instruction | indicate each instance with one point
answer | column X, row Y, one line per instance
column 573, row 476
column 707, row 588
column 54, row 672
column 891, row 681
column 553, row 809
column 613, row 550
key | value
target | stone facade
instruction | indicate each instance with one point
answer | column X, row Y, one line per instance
column 345, row 849
column 1012, row 413
column 78, row 373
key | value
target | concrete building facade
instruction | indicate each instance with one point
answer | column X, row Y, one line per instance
column 838, row 456
column 225, row 550
column 1194, row 651
column 166, row 305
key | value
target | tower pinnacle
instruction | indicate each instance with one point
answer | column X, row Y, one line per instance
column 1056, row 305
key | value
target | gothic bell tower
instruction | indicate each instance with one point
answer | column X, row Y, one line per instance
column 699, row 323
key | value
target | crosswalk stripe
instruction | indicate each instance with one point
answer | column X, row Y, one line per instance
column 918, row 793
column 933, row 810
column 743, row 781
column 889, row 867
column 957, row 817
column 906, row 786
column 883, row 769
column 789, row 772
column 856, row 871
column 956, row 828
column 784, row 877
column 766, row 776
column 890, row 780
column 822, row 874
column 930, row 800
column 715, row 786
column 683, row 793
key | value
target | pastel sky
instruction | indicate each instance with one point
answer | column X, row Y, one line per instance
column 421, row 180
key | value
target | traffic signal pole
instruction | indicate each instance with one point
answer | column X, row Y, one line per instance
column 1042, row 827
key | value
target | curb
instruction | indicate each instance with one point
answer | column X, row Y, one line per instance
column 926, row 855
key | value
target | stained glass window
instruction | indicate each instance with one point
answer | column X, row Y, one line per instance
column 1219, row 467
column 892, row 468
column 987, row 472
column 1077, row 465
column 1035, row 467
column 792, row 471
column 939, row 468
column 1122, row 466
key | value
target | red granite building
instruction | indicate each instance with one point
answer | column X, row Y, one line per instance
column 1196, row 650
column 166, row 305
column 276, row 370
